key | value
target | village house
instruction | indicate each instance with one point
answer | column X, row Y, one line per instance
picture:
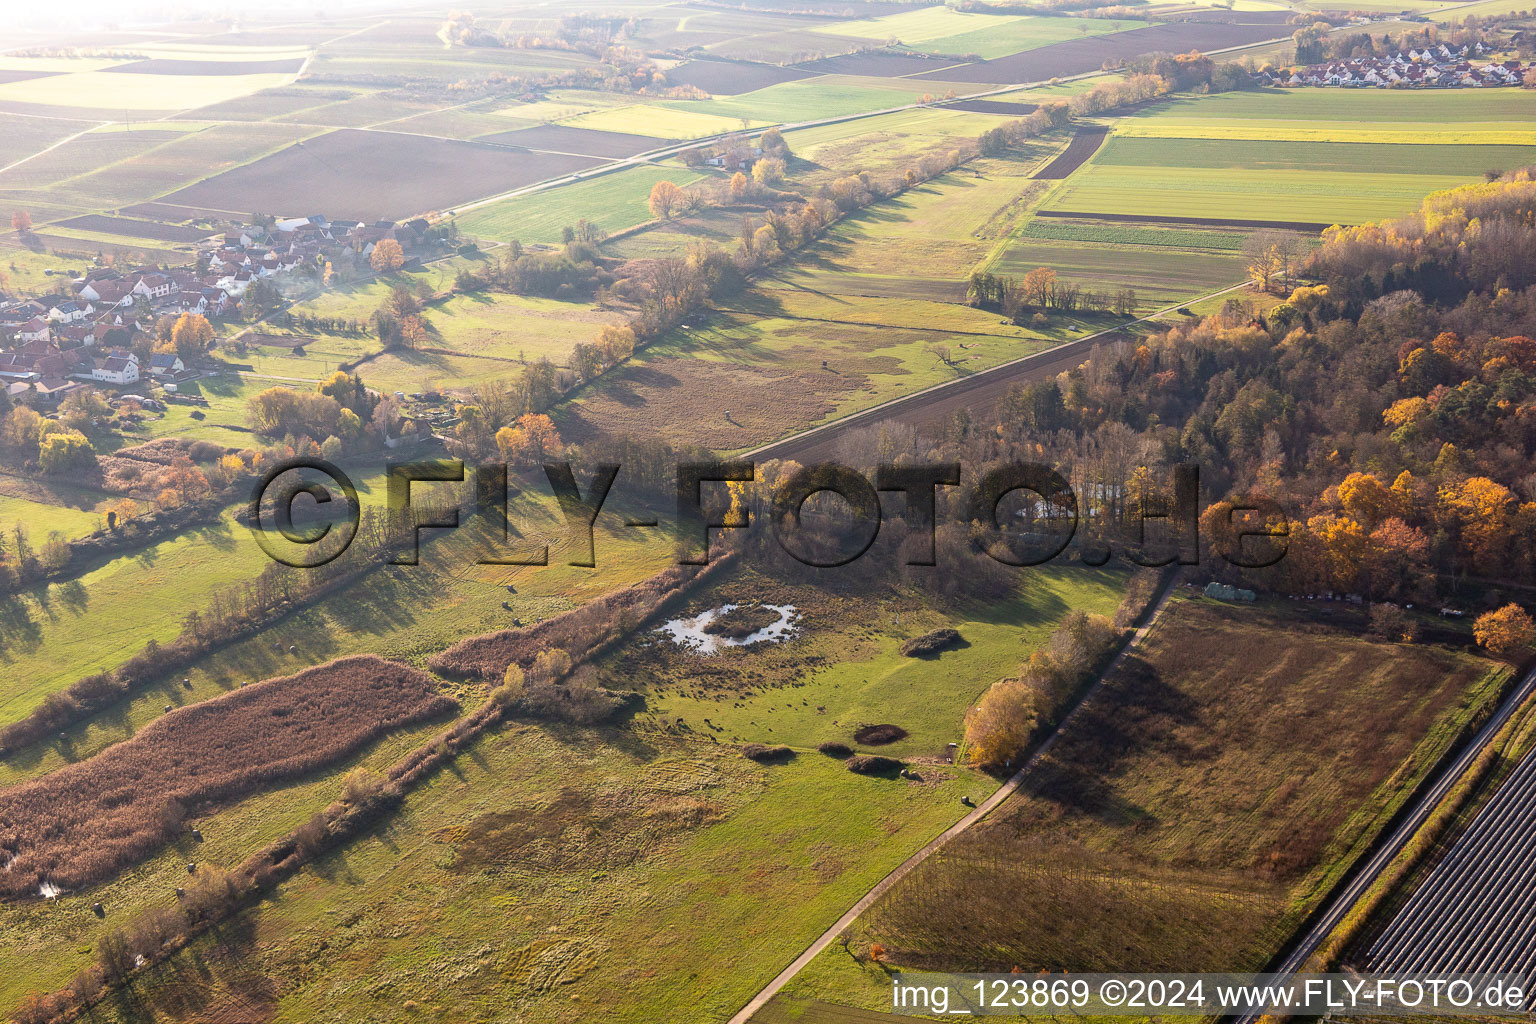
column 165, row 364
column 1431, row 67
column 36, row 329
column 119, row 366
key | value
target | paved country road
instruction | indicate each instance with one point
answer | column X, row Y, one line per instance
column 1006, row 790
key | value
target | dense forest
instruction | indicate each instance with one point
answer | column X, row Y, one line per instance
column 1390, row 405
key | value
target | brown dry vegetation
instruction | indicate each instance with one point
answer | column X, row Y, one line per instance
column 85, row 821
column 1197, row 805
column 578, row 632
column 683, row 400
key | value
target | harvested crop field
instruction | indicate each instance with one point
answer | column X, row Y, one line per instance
column 1078, row 56
column 557, row 138
column 1217, row 222
column 1084, row 144
column 994, row 107
column 168, row 66
column 134, row 228
column 879, row 65
column 1197, row 805
column 84, row 822
column 730, row 78
column 163, row 211
column 367, row 175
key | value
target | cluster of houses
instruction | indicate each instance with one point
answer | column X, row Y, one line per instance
column 1444, row 67
column 53, row 345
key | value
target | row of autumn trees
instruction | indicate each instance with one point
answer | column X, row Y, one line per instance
column 338, row 415
column 506, row 416
column 1396, row 426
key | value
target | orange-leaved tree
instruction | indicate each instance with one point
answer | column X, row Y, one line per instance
column 1505, row 631
column 387, row 256
column 666, row 198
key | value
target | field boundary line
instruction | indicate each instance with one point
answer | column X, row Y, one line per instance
column 876, row 412
column 1002, row 793
column 666, row 152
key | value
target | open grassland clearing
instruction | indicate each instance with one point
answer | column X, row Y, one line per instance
column 841, row 669
column 1289, row 195
column 572, row 875
column 1322, row 157
column 948, row 31
column 164, row 93
column 809, row 99
column 54, row 939
column 1160, row 275
column 84, row 823
column 929, row 237
column 223, row 419
column 43, row 506
column 471, row 337
column 1081, row 56
column 665, row 121
column 1198, row 805
column 1439, row 115
column 888, row 142
column 403, row 612
column 55, row 633
column 766, row 372
column 502, row 326
column 806, row 347
column 560, row 104
column 1073, row 230
column 676, row 236
column 614, row 201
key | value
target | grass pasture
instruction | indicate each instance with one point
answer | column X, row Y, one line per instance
column 516, row 876
column 614, row 201
column 1202, row 802
column 808, row 99
column 842, row 670
column 1316, row 155
column 885, row 143
column 108, row 91
column 708, row 874
column 873, row 311
column 948, row 31
column 1160, row 275
column 665, row 120
column 1229, row 193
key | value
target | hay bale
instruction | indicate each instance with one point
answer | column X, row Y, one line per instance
column 764, row 754
column 873, row 764
column 931, row 643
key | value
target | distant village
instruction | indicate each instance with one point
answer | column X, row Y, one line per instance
column 1433, row 67
column 91, row 333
